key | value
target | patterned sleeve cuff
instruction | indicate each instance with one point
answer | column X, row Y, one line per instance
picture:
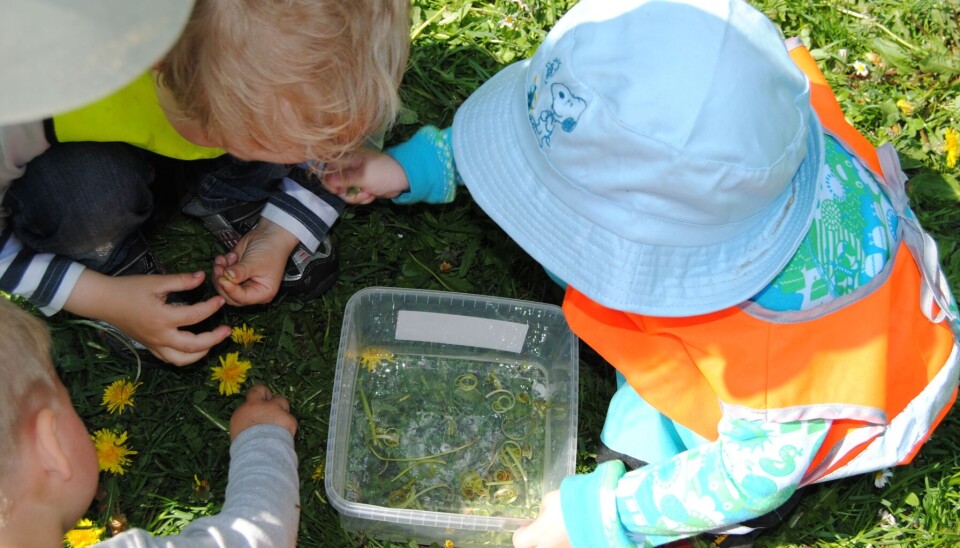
column 306, row 213
column 427, row 160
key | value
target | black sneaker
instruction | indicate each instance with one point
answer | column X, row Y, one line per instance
column 746, row 540
column 306, row 276
column 771, row 519
column 604, row 454
column 139, row 259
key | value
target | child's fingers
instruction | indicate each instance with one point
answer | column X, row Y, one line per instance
column 184, row 281
column 259, row 392
column 333, row 182
column 243, row 293
column 188, row 348
column 190, row 314
column 282, row 402
column 234, row 294
column 198, row 343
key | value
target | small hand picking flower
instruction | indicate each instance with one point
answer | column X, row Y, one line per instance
column 119, row 395
column 112, row 453
column 84, row 534
column 232, row 372
column 245, row 336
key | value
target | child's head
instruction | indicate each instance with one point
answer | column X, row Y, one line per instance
column 287, row 81
column 660, row 156
column 47, row 454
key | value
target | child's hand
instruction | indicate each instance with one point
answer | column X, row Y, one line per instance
column 262, row 407
column 137, row 306
column 252, row 272
column 365, row 177
column 548, row 530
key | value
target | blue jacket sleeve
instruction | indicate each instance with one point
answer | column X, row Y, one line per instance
column 427, row 159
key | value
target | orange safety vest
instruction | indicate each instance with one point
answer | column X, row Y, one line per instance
column 881, row 363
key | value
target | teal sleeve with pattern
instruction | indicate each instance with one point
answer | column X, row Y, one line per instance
column 750, row 470
column 427, row 159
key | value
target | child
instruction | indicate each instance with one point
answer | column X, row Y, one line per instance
column 271, row 84
column 743, row 257
column 49, row 471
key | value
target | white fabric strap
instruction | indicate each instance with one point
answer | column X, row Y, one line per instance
column 923, row 247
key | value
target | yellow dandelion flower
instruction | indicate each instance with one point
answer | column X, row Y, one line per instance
column 318, row 472
column 951, row 144
column 112, row 453
column 374, row 357
column 119, row 395
column 245, row 336
column 83, row 534
column 232, row 372
column 448, row 543
column 201, row 487
column 906, row 107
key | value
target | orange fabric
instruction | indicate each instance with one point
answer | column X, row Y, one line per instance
column 684, row 364
column 877, row 353
column 838, row 431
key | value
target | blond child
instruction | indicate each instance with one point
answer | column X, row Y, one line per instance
column 249, row 89
column 743, row 257
column 48, row 465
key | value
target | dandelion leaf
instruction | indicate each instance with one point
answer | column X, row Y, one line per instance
column 894, row 55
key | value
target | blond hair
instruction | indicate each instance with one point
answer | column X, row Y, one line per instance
column 319, row 74
column 26, row 370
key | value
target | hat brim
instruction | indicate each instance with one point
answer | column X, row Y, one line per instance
column 498, row 158
column 58, row 55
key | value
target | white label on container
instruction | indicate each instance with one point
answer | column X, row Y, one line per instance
column 460, row 330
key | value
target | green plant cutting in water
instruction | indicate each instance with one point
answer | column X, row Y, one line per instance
column 448, row 435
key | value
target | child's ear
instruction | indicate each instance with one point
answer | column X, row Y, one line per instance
column 50, row 452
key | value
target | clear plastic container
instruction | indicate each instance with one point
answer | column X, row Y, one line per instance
column 452, row 415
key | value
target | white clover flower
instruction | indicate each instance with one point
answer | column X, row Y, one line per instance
column 860, row 69
column 882, row 478
column 886, row 518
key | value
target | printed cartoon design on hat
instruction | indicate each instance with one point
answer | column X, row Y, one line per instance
column 565, row 107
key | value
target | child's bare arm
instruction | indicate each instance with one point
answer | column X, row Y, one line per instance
column 137, row 306
column 366, row 177
column 262, row 407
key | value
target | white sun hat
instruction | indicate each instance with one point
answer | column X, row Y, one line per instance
column 659, row 156
column 56, row 55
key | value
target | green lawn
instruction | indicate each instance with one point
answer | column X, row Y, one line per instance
column 910, row 96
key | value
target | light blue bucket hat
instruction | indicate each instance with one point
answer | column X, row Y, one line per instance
column 661, row 157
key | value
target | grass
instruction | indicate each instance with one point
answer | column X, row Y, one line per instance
column 909, row 47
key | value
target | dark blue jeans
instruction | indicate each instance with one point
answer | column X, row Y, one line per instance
column 86, row 201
